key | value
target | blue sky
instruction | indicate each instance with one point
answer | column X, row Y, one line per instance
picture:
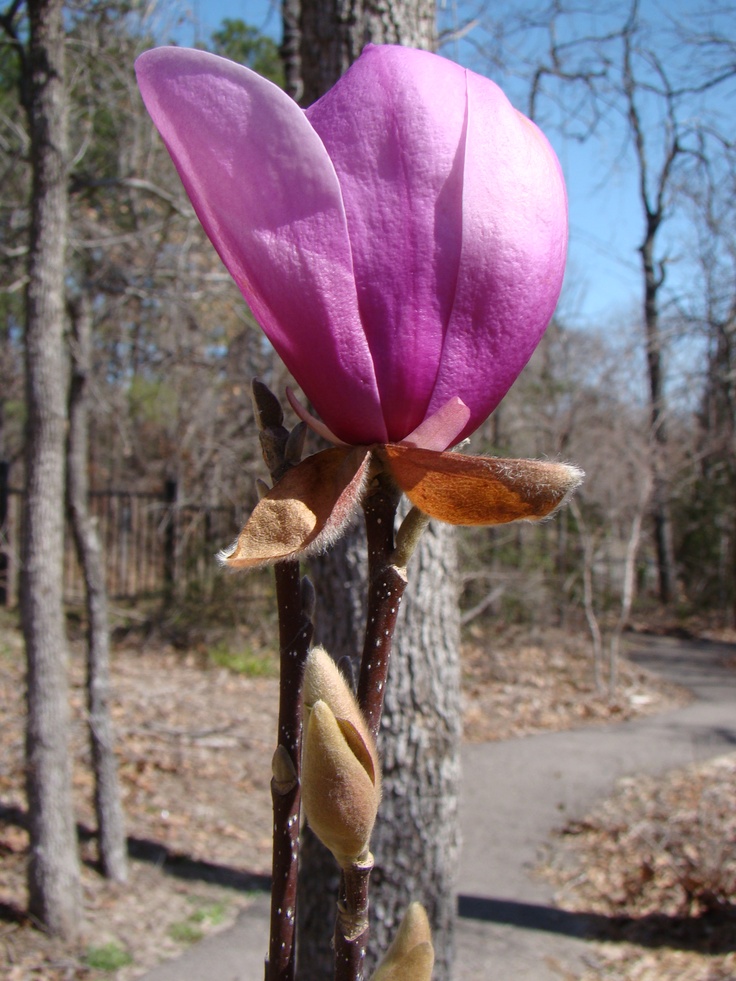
column 603, row 284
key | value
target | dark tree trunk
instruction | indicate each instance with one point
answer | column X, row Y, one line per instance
column 291, row 48
column 53, row 869
column 415, row 843
column 333, row 33
column 661, row 512
column 108, row 808
column 654, row 185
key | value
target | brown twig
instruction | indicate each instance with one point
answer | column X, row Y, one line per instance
column 295, row 634
column 352, row 927
column 295, row 599
column 386, row 585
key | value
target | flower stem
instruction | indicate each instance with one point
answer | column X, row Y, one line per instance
column 351, row 927
column 386, row 585
column 295, row 599
column 295, row 634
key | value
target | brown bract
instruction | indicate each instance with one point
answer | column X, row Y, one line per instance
column 308, row 509
column 305, row 511
column 477, row 490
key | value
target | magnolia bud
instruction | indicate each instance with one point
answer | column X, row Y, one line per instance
column 266, row 407
column 283, row 771
column 324, row 681
column 340, row 772
column 411, row 956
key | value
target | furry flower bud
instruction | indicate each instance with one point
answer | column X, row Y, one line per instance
column 340, row 772
column 324, row 681
column 411, row 955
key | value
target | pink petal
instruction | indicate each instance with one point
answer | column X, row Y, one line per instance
column 513, row 253
column 393, row 126
column 316, row 425
column 267, row 195
column 442, row 428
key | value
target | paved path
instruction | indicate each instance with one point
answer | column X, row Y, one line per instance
column 515, row 794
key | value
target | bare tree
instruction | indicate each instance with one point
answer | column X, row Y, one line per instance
column 13, row 239
column 53, row 870
column 654, row 186
column 108, row 808
column 707, row 535
column 591, row 542
column 651, row 80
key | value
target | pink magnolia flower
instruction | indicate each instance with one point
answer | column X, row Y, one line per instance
column 402, row 242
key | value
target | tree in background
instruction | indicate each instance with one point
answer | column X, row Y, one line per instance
column 111, row 840
column 653, row 83
column 416, row 839
column 706, row 520
column 240, row 42
column 53, row 869
column 331, row 37
column 14, row 177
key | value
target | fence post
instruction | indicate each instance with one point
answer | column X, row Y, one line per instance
column 4, row 536
column 170, row 496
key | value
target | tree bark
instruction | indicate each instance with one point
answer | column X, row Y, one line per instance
column 108, row 808
column 53, row 868
column 415, row 843
column 661, row 512
column 291, row 48
column 416, row 838
column 333, row 34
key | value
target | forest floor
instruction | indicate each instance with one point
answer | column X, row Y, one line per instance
column 195, row 739
column 654, row 868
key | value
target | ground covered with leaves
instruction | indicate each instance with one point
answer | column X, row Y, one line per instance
column 195, row 736
column 654, row 867
column 519, row 682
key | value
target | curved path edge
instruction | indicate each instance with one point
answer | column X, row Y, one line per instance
column 516, row 794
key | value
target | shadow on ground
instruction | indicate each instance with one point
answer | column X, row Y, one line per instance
column 712, row 932
column 172, row 863
column 189, row 869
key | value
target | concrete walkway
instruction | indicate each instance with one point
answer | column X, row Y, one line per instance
column 515, row 794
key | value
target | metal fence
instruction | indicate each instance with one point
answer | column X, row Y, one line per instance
column 151, row 543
